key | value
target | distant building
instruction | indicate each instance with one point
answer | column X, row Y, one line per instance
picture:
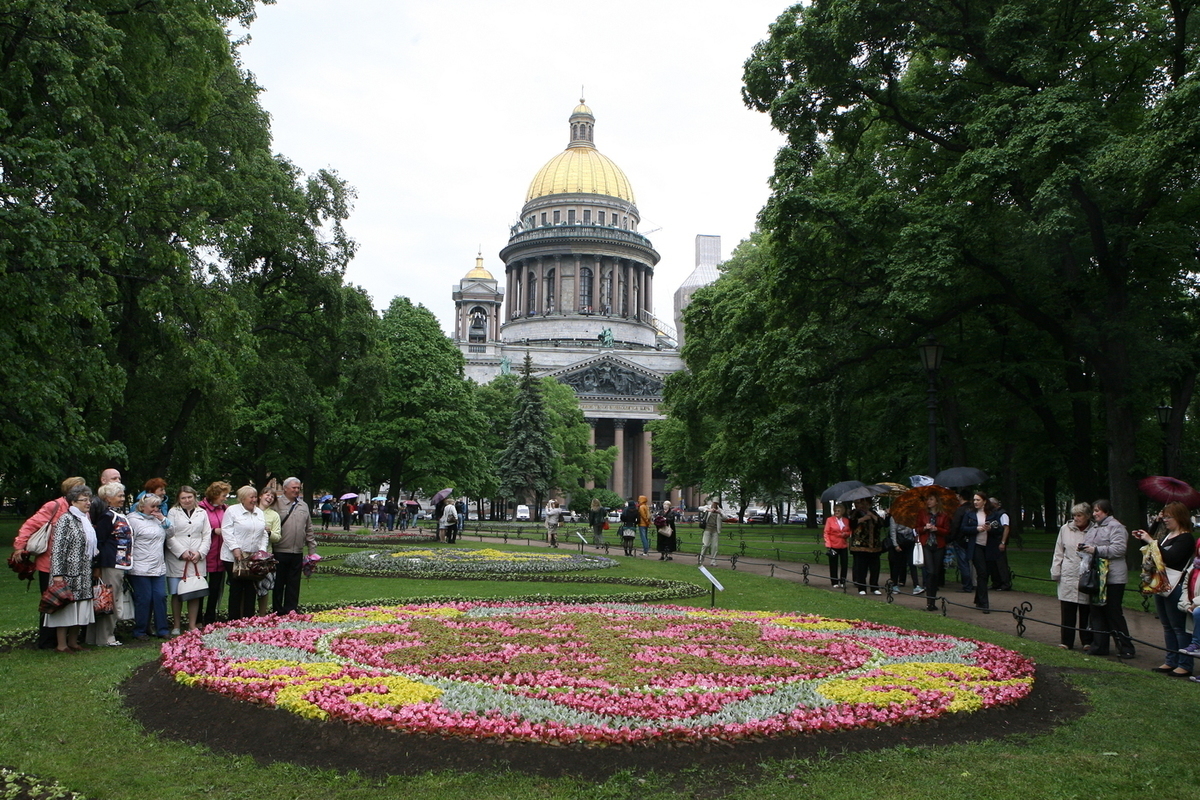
column 578, row 298
column 708, row 256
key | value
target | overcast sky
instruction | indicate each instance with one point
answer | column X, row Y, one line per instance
column 440, row 113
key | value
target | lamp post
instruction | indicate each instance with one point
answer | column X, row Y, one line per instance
column 1164, row 422
column 931, row 359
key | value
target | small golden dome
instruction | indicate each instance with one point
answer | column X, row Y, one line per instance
column 582, row 109
column 479, row 272
column 580, row 169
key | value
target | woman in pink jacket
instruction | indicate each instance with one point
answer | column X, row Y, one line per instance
column 837, row 539
column 214, row 505
column 50, row 512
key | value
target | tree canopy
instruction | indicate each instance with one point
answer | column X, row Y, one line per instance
column 1018, row 179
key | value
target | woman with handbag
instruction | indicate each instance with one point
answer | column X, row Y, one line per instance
column 597, row 520
column 214, row 506
column 187, row 552
column 45, row 517
column 266, row 584
column 113, row 540
column 244, row 528
column 71, row 556
column 1176, row 545
column 1107, row 539
column 1075, row 607
column 665, row 541
column 148, row 574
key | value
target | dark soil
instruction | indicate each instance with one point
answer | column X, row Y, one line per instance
column 201, row 717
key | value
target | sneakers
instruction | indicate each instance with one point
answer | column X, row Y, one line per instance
column 174, row 631
column 876, row 592
column 864, row 591
column 1192, row 649
column 918, row 589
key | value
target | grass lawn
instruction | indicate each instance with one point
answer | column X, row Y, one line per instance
column 1133, row 743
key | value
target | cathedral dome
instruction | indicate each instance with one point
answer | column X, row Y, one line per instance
column 479, row 273
column 581, row 168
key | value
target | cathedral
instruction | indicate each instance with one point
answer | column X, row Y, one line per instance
column 578, row 299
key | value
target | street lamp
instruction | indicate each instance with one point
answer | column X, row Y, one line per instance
column 931, row 360
column 1164, row 422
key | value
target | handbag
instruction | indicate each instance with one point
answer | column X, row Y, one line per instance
column 192, row 587
column 919, row 555
column 606, row 526
column 55, row 598
column 39, row 540
column 1089, row 576
column 102, row 599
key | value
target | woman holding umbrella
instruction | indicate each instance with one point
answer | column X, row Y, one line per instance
column 933, row 533
column 837, row 536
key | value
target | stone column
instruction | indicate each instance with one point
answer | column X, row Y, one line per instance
column 618, row 473
column 647, row 466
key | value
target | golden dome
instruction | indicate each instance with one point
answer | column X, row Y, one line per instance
column 583, row 170
column 479, row 272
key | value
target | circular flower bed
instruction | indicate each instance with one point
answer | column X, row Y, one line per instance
column 604, row 673
column 448, row 561
column 371, row 538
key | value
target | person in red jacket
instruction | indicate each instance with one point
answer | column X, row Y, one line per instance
column 837, row 537
column 50, row 512
column 933, row 533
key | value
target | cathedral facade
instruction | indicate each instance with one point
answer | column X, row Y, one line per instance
column 578, row 299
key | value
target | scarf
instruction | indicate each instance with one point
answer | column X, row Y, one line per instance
column 88, row 531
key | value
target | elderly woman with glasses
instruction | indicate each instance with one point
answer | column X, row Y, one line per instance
column 148, row 574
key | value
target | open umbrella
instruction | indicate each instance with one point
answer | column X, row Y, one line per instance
column 907, row 508
column 411, row 503
column 891, row 488
column 1166, row 489
column 325, row 497
column 349, row 496
column 862, row 492
column 440, row 496
column 960, row 476
column 839, row 489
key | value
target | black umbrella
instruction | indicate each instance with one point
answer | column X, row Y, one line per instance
column 839, row 489
column 862, row 492
column 956, row 477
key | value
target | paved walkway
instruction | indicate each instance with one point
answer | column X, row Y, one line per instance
column 1144, row 627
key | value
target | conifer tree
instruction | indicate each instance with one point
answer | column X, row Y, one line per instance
column 527, row 463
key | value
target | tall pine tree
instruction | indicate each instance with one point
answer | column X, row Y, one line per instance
column 527, row 463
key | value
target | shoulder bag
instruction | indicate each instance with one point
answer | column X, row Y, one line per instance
column 194, row 586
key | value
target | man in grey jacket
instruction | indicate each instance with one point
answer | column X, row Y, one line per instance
column 297, row 535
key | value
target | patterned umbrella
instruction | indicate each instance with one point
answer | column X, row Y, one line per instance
column 1165, row 489
column 907, row 507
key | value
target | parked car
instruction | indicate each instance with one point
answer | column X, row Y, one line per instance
column 614, row 518
column 798, row 519
column 522, row 513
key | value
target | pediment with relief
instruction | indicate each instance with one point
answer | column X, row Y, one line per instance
column 607, row 376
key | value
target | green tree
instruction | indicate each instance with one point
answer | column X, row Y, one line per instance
column 1025, row 170
column 526, row 466
column 427, row 431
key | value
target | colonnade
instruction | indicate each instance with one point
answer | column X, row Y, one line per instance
column 607, row 285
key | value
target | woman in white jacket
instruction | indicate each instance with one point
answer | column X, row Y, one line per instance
column 187, row 548
column 244, row 529
column 554, row 516
column 1074, row 604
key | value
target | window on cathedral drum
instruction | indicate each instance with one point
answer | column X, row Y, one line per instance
column 601, row 217
column 531, row 294
column 585, row 288
column 557, row 217
column 550, row 292
column 587, row 216
column 571, row 216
